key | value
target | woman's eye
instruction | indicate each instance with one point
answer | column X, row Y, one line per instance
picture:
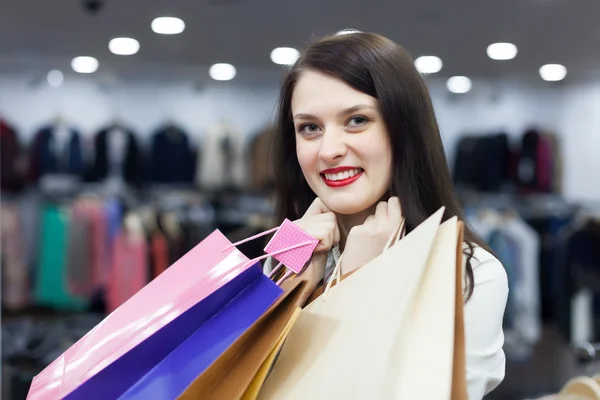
column 357, row 121
column 309, row 128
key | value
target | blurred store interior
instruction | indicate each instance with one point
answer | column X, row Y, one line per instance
column 152, row 118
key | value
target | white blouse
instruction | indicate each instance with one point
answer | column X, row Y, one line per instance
column 483, row 315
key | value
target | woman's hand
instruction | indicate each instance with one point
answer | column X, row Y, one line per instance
column 366, row 241
column 321, row 223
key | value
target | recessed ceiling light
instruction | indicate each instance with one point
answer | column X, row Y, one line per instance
column 222, row 72
column 459, row 84
column 124, row 46
column 502, row 51
column 84, row 65
column 168, row 25
column 285, row 55
column 553, row 72
column 428, row 64
column 55, row 78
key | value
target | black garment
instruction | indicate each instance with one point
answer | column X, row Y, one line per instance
column 482, row 162
column 132, row 168
column 172, row 160
column 527, row 168
column 580, row 268
column 45, row 158
column 11, row 179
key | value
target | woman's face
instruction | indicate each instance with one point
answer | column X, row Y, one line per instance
column 341, row 143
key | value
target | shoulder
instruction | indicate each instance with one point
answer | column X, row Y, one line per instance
column 490, row 282
column 487, row 269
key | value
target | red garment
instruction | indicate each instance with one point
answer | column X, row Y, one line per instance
column 160, row 254
column 129, row 269
column 93, row 211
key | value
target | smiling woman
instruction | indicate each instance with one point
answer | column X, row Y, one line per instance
column 342, row 145
column 358, row 148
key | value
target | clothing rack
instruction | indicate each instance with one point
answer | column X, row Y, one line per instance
column 543, row 241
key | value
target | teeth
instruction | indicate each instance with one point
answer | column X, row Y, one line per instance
column 342, row 175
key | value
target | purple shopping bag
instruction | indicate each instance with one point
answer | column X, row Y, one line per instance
column 239, row 306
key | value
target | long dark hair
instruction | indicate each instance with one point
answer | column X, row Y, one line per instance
column 376, row 66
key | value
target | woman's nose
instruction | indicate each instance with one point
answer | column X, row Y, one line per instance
column 333, row 146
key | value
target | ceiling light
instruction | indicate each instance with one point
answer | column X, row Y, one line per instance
column 553, row 72
column 285, row 55
column 55, row 78
column 428, row 64
column 168, row 25
column 502, row 51
column 84, row 65
column 124, row 46
column 222, row 72
column 459, row 84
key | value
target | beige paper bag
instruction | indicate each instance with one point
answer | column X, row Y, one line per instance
column 422, row 362
column 341, row 345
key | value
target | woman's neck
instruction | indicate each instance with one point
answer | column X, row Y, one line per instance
column 347, row 222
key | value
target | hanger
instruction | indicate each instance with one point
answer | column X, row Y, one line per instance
column 581, row 388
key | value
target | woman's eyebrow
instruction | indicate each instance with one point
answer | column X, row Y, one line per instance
column 346, row 111
column 354, row 109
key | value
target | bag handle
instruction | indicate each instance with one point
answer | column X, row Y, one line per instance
column 250, row 238
column 274, row 253
column 395, row 237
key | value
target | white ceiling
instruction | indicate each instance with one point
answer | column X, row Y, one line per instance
column 39, row 34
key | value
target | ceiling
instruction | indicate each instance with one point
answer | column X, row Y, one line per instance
column 39, row 34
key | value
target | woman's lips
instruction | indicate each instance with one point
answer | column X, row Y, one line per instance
column 340, row 177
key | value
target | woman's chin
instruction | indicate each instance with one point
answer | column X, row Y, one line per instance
column 346, row 207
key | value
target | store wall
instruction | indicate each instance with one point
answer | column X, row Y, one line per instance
column 571, row 111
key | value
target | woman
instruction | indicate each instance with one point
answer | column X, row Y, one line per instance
column 357, row 147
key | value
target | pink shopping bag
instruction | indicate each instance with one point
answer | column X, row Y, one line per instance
column 205, row 269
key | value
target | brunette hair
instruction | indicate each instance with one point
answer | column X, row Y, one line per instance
column 377, row 66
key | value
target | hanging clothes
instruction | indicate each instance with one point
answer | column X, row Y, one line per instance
column 160, row 254
column 261, row 173
column 223, row 163
column 51, row 288
column 482, row 162
column 15, row 274
column 87, row 261
column 56, row 150
column 129, row 269
column 517, row 246
column 11, row 174
column 578, row 271
column 117, row 156
column 536, row 166
column 172, row 158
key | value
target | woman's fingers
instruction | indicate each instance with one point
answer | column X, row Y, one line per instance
column 394, row 210
column 381, row 212
column 317, row 207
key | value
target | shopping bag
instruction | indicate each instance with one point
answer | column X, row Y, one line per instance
column 351, row 342
column 240, row 370
column 231, row 317
column 134, row 338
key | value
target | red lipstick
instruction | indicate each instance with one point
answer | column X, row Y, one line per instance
column 341, row 182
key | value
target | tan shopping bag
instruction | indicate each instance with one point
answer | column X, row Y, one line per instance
column 351, row 342
column 260, row 377
column 240, row 368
